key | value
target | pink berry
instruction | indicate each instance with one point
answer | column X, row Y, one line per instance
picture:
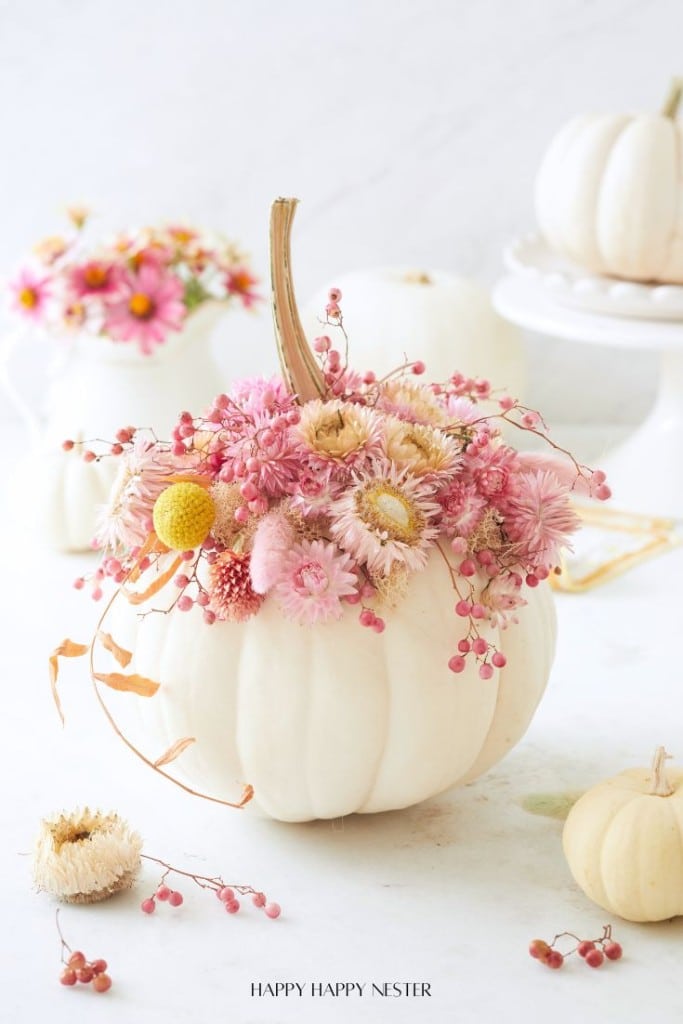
column 259, row 899
column 598, row 477
column 226, row 894
column 464, row 646
column 79, row 583
column 175, row 899
column 457, row 663
column 334, row 295
column 89, row 456
column 478, row 611
column 485, row 671
column 554, row 959
column 99, row 966
column 116, row 449
column 584, row 948
column 85, row 974
column 97, row 594
column 418, row 367
column 272, row 910
column 322, row 344
column 101, row 983
column 232, row 906
column 539, row 949
column 379, row 625
column 603, row 492
column 67, row 446
column 499, row 660
column 163, row 892
column 467, row 567
column 68, row 976
column 181, row 580
column 594, row 958
column 463, row 608
column 480, row 646
column 367, row 617
column 184, row 603
column 613, row 950
column 76, row 960
column 148, row 906
column 532, row 580
column 209, row 617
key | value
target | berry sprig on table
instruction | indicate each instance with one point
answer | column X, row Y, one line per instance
column 592, row 951
column 227, row 894
column 77, row 968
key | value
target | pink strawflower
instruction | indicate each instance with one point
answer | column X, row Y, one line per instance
column 494, row 471
column 462, row 410
column 315, row 577
column 386, row 519
column 241, row 282
column 232, row 596
column 502, row 596
column 262, row 394
column 539, row 518
column 30, row 294
column 95, row 278
column 313, row 491
column 273, row 538
column 148, row 307
column 339, row 435
column 463, row 507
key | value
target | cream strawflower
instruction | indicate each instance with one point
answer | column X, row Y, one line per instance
column 412, row 402
column 85, row 856
column 422, row 449
column 339, row 433
column 384, row 519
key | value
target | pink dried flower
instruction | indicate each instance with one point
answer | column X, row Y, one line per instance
column 502, row 597
column 415, row 403
column 231, row 593
column 30, row 294
column 273, row 538
column 315, row 577
column 149, row 306
column 339, row 434
column 421, row 449
column 262, row 394
column 463, row 507
column 539, row 518
column 386, row 519
column 313, row 491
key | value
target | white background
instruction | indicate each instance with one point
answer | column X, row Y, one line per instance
column 411, row 131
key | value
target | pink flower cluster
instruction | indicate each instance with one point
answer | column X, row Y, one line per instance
column 337, row 501
column 137, row 289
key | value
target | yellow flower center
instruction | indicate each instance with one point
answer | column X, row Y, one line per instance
column 140, row 305
column 183, row 516
column 383, row 507
column 95, row 276
column 28, row 297
column 240, row 282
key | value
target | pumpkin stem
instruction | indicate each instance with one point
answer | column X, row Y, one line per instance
column 417, row 277
column 672, row 102
column 660, row 784
column 300, row 370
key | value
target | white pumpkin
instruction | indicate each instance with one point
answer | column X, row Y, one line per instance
column 623, row 841
column 334, row 719
column 609, row 193
column 446, row 321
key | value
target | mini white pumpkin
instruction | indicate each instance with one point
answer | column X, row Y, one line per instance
column 444, row 320
column 609, row 193
column 623, row 841
column 328, row 721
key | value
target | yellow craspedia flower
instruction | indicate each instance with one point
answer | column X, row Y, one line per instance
column 183, row 515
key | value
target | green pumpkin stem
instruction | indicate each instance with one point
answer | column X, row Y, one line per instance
column 302, row 375
column 673, row 100
column 660, row 784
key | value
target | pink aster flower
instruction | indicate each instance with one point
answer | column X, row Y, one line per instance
column 241, row 282
column 231, row 593
column 95, row 278
column 315, row 577
column 539, row 518
column 30, row 294
column 149, row 305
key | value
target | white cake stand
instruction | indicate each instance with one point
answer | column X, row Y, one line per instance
column 646, row 471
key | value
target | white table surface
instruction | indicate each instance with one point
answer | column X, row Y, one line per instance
column 448, row 893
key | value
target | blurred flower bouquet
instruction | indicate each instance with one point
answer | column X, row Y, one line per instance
column 136, row 288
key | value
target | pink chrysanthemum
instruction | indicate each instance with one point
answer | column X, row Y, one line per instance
column 339, row 434
column 240, row 282
column 539, row 519
column 148, row 307
column 231, row 593
column 126, row 520
column 315, row 577
column 386, row 519
column 273, row 538
column 462, row 508
column 95, row 278
column 30, row 294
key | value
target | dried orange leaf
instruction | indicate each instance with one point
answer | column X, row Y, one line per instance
column 132, row 684
column 174, row 751
column 123, row 656
column 247, row 794
column 154, row 588
column 67, row 649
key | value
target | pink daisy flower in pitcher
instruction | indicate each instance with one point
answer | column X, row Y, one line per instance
column 315, row 576
column 148, row 306
column 240, row 282
column 30, row 294
column 95, row 278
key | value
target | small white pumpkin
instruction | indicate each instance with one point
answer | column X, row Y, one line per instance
column 333, row 720
column 623, row 841
column 609, row 193
column 446, row 321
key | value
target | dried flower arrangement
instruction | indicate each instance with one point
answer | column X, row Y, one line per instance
column 136, row 288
